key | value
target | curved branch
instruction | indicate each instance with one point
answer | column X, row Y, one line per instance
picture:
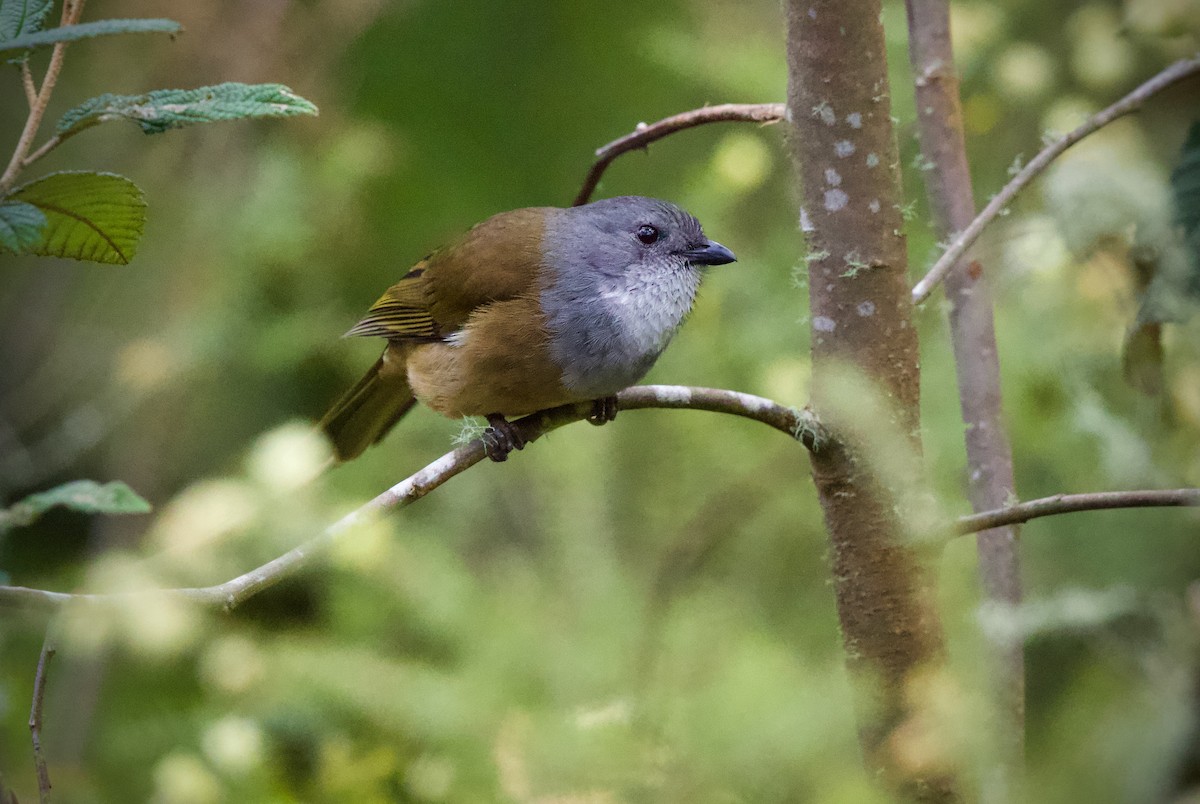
column 645, row 134
column 798, row 424
column 1130, row 103
column 1071, row 503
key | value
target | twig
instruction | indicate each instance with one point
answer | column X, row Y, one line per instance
column 46, row 147
column 645, row 134
column 35, row 716
column 72, row 9
column 798, row 424
column 1130, row 103
column 1071, row 503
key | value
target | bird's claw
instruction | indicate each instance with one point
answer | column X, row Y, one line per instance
column 604, row 410
column 501, row 438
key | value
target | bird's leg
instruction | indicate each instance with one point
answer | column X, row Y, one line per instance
column 501, row 438
column 604, row 410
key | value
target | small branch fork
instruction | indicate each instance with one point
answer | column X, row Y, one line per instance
column 38, row 101
column 643, row 135
column 1130, row 103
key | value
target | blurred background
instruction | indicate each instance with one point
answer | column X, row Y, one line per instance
column 640, row 612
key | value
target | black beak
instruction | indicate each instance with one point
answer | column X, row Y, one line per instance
column 709, row 252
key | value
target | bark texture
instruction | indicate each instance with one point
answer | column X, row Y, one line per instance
column 844, row 148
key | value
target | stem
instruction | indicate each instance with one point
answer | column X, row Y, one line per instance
column 27, row 82
column 644, row 134
column 1130, row 103
column 977, row 367
column 798, row 424
column 35, row 717
column 1073, row 503
column 72, row 9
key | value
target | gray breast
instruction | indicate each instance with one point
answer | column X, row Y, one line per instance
column 608, row 327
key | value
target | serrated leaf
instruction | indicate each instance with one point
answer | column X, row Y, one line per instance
column 87, row 30
column 165, row 109
column 89, row 216
column 21, row 17
column 85, row 496
column 21, row 226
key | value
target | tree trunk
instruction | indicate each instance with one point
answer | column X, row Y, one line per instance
column 972, row 333
column 845, row 154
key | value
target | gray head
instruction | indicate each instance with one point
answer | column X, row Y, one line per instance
column 632, row 232
column 622, row 275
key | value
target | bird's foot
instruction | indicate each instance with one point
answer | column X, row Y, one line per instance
column 604, row 410
column 501, row 438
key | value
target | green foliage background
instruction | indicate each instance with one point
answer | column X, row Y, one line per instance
column 640, row 612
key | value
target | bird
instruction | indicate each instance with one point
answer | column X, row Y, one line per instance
column 530, row 309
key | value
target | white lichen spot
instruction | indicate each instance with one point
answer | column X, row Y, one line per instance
column 874, row 206
column 812, row 13
column 836, row 199
column 843, row 148
column 824, row 112
column 806, row 224
column 854, row 119
column 824, row 324
column 833, row 178
column 673, row 395
column 872, row 160
column 865, row 309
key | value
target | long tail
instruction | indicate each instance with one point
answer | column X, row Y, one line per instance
column 367, row 411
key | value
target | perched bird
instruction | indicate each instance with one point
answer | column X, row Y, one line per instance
column 530, row 309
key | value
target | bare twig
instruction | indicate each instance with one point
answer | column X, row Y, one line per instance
column 1072, row 503
column 35, row 716
column 798, row 424
column 645, row 134
column 977, row 368
column 72, row 10
column 1130, row 103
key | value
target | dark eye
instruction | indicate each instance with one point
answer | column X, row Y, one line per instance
column 647, row 233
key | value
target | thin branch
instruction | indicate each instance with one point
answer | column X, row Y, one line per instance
column 31, row 93
column 35, row 716
column 1130, row 103
column 72, row 10
column 47, row 146
column 798, row 424
column 1072, row 503
column 645, row 134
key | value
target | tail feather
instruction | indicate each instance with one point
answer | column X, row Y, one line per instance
column 367, row 412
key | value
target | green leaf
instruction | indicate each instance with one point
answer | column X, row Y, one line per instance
column 85, row 496
column 87, row 30
column 1185, row 183
column 21, row 226
column 165, row 109
column 21, row 17
column 89, row 216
